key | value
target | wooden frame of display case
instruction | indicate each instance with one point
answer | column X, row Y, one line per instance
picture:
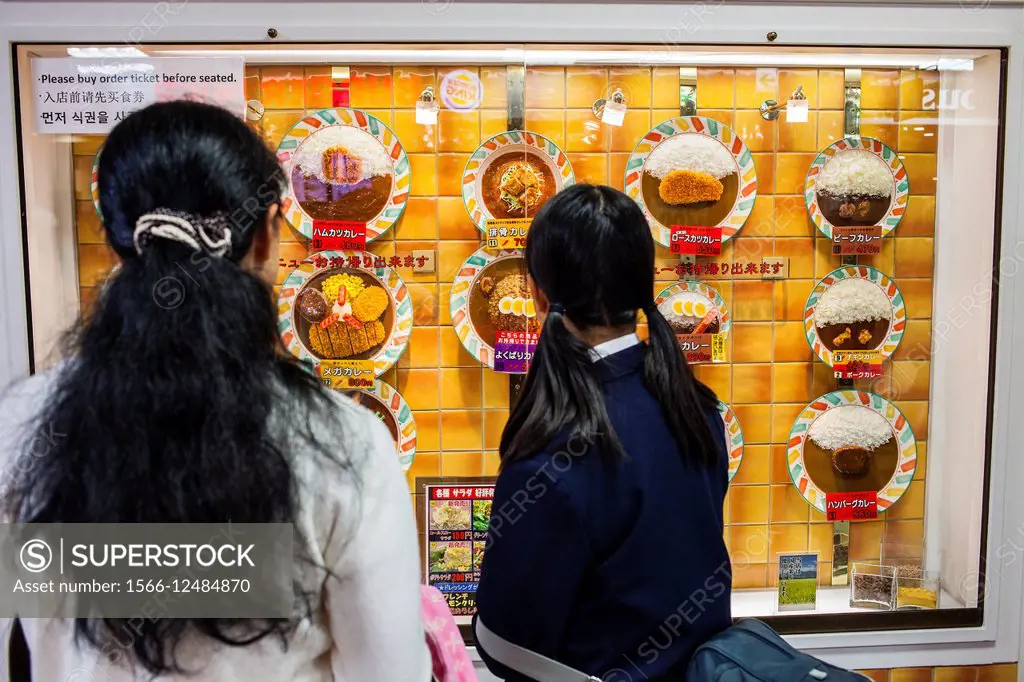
column 872, row 639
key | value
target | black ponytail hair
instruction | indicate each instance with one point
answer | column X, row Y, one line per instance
column 178, row 403
column 590, row 251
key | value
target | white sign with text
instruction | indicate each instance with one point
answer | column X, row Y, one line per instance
column 93, row 95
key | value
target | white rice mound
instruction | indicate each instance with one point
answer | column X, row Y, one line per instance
column 359, row 142
column 671, row 316
column 848, row 425
column 852, row 300
column 856, row 172
column 692, row 152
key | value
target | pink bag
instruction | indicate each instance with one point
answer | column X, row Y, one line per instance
column 447, row 650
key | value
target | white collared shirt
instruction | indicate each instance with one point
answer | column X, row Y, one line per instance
column 603, row 350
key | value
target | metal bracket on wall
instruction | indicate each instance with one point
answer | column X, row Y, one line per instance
column 687, row 91
column 851, row 112
column 840, row 553
column 851, row 126
column 515, row 81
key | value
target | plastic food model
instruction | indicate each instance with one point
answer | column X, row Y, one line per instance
column 691, row 313
column 690, row 169
column 509, row 305
column 852, row 314
column 352, row 324
column 855, row 188
column 520, row 186
column 342, row 173
column 852, row 434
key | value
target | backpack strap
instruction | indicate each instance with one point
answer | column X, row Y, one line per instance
column 524, row 661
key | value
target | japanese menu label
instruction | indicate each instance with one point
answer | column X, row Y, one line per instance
column 693, row 240
column 513, row 351
column 347, row 374
column 339, row 235
column 364, row 260
column 857, row 364
column 857, row 506
column 507, row 233
column 702, row 347
column 856, row 241
column 457, row 520
column 92, row 95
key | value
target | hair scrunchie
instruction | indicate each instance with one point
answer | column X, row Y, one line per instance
column 556, row 308
column 210, row 235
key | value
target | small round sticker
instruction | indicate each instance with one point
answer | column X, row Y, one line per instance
column 462, row 90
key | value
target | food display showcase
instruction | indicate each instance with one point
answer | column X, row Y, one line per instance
column 829, row 221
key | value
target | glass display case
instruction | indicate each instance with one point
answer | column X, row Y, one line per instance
column 835, row 232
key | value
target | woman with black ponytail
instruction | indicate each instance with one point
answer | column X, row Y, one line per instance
column 605, row 545
column 177, row 403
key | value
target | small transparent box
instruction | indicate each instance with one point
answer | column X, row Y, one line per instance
column 872, row 586
column 917, row 593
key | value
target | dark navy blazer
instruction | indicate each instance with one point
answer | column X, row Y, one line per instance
column 617, row 569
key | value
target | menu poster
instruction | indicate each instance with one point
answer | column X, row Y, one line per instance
column 92, row 95
column 457, row 520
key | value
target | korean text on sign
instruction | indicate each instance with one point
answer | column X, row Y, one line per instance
column 693, row 240
column 856, row 506
column 848, row 240
column 339, row 235
column 92, row 95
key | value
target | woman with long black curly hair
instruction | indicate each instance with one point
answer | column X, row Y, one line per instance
column 176, row 403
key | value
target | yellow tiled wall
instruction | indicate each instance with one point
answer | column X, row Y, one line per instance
column 460, row 408
column 983, row 673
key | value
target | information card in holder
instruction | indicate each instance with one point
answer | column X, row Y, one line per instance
column 695, row 240
column 347, row 375
column 857, row 364
column 507, row 233
column 700, row 348
column 798, row 582
column 513, row 351
column 849, row 240
column 855, row 506
column 339, row 235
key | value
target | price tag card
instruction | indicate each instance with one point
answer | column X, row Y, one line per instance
column 513, row 351
column 507, row 233
column 857, row 364
column 857, row 506
column 693, row 240
column 346, row 375
column 700, row 348
column 339, row 235
column 856, row 241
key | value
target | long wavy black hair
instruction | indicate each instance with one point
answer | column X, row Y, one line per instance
column 165, row 403
column 590, row 251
